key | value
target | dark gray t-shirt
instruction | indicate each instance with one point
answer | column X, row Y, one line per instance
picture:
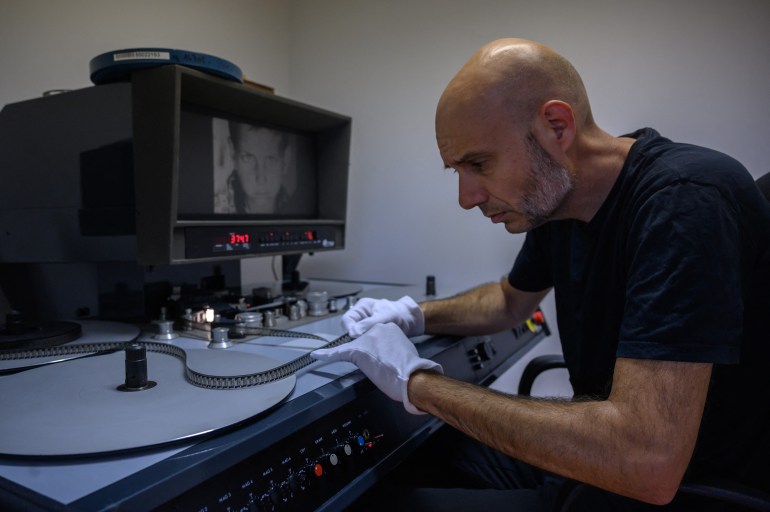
column 674, row 266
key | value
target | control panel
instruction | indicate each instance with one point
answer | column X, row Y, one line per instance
column 208, row 242
column 308, row 468
column 483, row 350
column 325, row 464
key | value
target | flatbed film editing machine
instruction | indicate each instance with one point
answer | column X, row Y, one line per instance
column 136, row 373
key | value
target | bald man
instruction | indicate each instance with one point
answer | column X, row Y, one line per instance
column 659, row 255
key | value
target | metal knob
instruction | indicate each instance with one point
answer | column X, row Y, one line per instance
column 250, row 318
column 220, row 338
column 317, row 303
column 165, row 330
column 302, row 305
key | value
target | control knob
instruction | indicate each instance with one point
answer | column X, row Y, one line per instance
column 220, row 338
column 317, row 303
column 298, row 481
column 486, row 350
column 275, row 498
column 165, row 330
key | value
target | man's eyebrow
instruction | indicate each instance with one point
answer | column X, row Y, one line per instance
column 470, row 156
column 467, row 157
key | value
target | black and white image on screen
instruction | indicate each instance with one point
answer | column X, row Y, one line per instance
column 257, row 170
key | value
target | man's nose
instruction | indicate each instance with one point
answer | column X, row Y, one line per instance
column 471, row 194
column 260, row 172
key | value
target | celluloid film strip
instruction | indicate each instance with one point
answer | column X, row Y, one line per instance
column 194, row 377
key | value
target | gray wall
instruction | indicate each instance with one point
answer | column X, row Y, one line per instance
column 697, row 70
column 47, row 44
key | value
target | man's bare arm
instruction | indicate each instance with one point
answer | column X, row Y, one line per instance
column 486, row 309
column 637, row 443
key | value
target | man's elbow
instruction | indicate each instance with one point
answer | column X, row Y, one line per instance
column 659, row 482
column 653, row 491
column 662, row 495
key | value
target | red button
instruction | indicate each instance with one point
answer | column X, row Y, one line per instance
column 318, row 470
column 538, row 317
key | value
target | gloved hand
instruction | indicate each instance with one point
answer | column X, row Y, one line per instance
column 387, row 357
column 366, row 313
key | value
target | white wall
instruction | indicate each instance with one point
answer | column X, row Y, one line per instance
column 695, row 69
column 47, row 44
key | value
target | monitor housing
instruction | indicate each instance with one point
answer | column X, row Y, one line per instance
column 127, row 179
column 176, row 114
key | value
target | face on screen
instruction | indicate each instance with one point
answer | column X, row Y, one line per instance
column 260, row 165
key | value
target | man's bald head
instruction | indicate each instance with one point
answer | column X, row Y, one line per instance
column 519, row 76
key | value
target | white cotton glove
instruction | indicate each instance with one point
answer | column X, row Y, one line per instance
column 366, row 313
column 387, row 357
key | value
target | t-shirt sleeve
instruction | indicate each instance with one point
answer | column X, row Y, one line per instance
column 683, row 295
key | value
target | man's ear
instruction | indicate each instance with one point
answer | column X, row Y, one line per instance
column 556, row 124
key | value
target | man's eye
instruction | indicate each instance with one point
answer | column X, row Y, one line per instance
column 477, row 166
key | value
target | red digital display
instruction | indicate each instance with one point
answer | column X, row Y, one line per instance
column 239, row 238
column 256, row 242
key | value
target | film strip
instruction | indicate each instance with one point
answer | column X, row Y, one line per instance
column 193, row 377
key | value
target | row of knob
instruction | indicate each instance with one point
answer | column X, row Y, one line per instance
column 317, row 304
column 300, row 480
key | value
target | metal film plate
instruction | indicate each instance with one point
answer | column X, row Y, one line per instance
column 74, row 408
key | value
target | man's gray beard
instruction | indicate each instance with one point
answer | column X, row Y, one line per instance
column 548, row 184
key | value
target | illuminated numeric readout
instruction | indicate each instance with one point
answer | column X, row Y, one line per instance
column 239, row 238
column 242, row 241
column 232, row 242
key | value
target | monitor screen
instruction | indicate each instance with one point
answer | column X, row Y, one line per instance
column 230, row 168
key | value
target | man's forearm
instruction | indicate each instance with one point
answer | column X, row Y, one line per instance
column 487, row 309
column 624, row 444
